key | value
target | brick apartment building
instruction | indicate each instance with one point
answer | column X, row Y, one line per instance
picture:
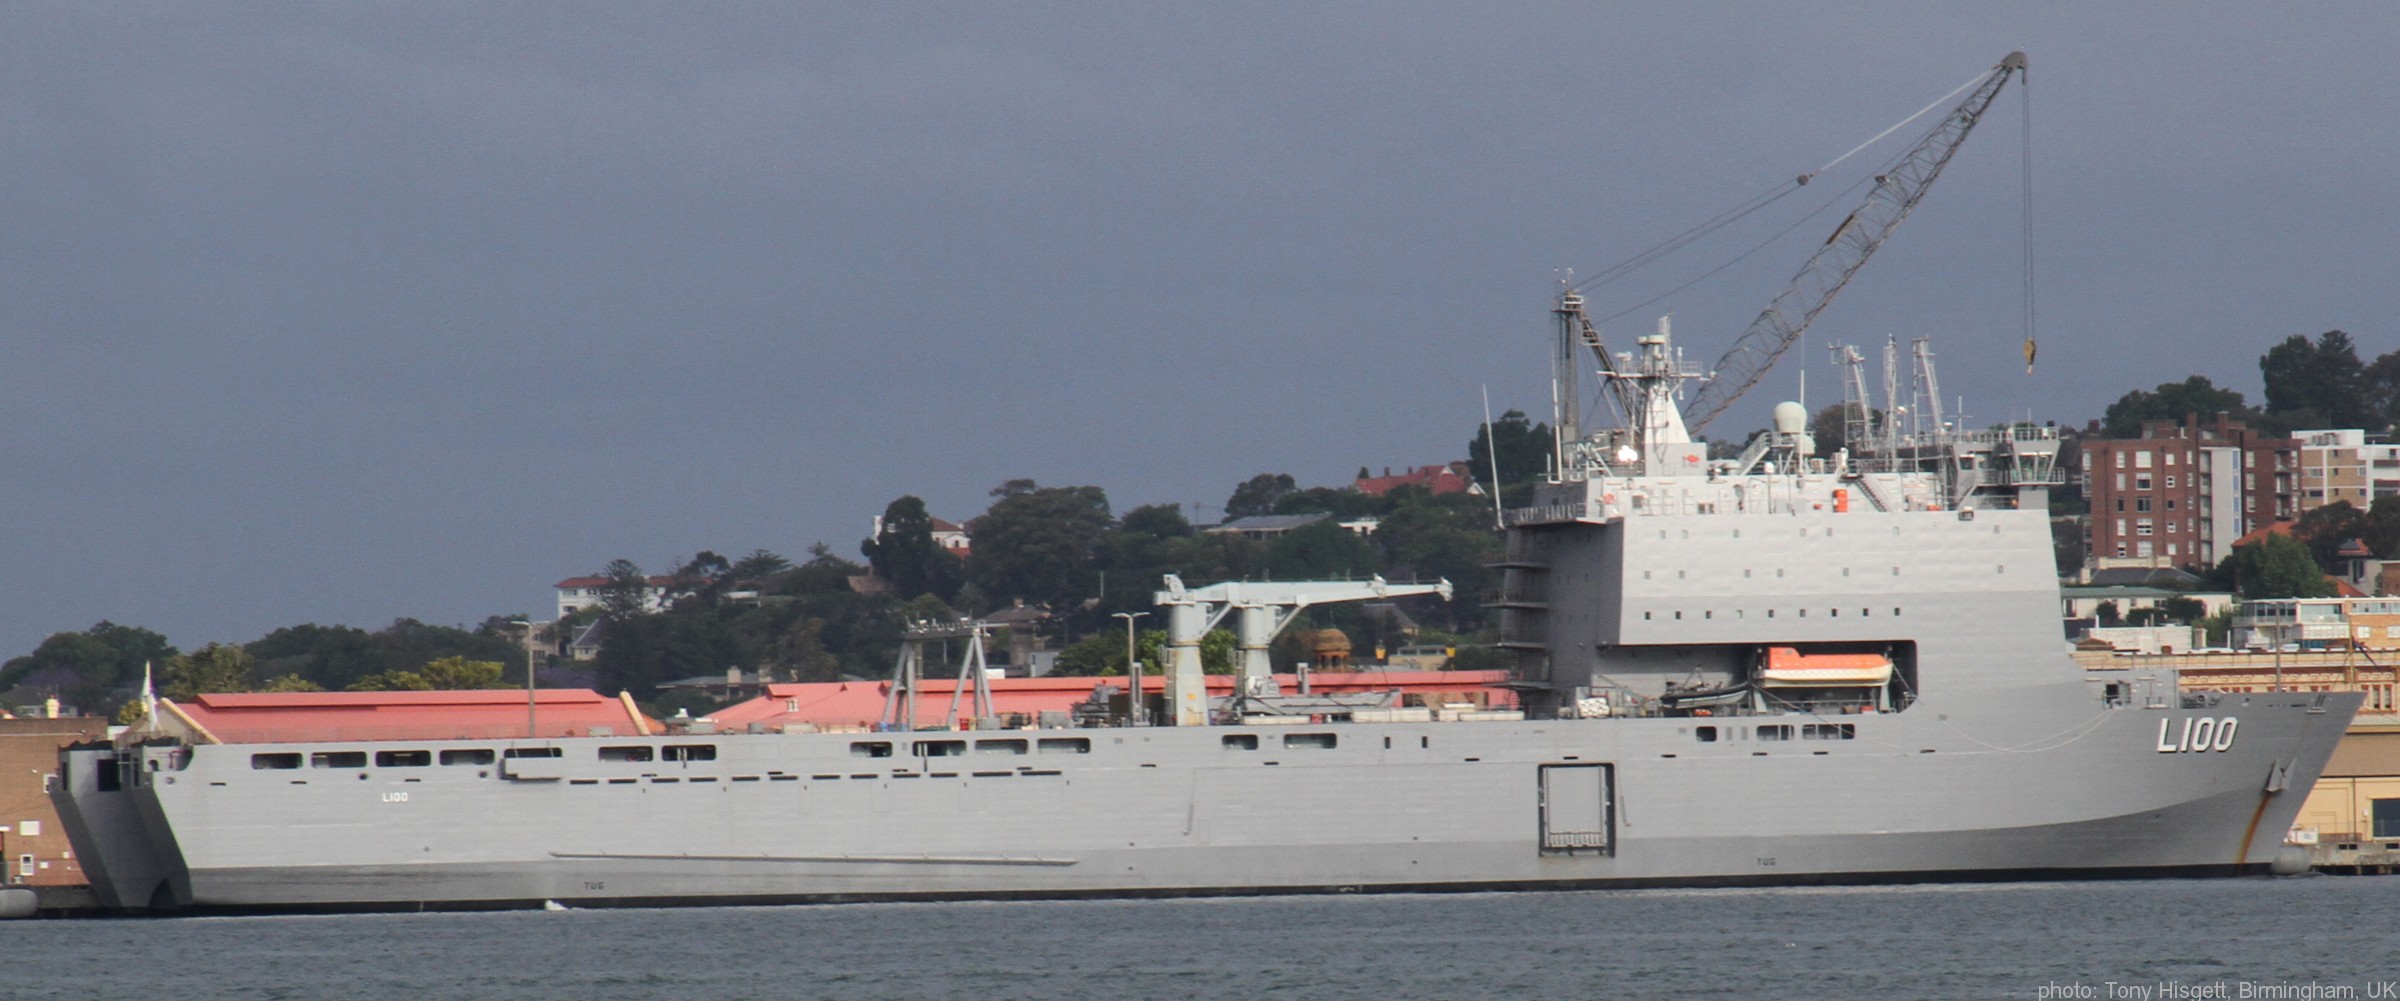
column 31, row 841
column 2181, row 493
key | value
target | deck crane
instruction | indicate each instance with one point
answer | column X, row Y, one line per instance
column 1831, row 267
column 1266, row 606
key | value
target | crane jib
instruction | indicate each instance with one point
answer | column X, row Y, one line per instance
column 1835, row 261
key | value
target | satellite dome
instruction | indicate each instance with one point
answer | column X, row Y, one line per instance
column 1790, row 418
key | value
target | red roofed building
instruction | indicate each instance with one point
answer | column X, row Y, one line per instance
column 860, row 703
column 490, row 714
column 1449, row 479
column 2260, row 534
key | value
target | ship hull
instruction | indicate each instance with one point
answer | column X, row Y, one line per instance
column 1564, row 804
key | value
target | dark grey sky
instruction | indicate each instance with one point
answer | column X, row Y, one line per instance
column 348, row 312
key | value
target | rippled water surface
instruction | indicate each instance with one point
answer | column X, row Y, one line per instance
column 2022, row 940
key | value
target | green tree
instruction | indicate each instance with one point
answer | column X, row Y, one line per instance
column 800, row 652
column 217, row 667
column 1097, row 654
column 904, row 553
column 631, row 654
column 2320, row 384
column 1424, row 537
column 2218, row 627
column 461, row 674
column 703, row 577
column 1524, row 449
column 2278, row 566
column 2382, row 530
column 290, row 683
column 1163, row 521
column 1830, row 426
column 2381, row 386
column 1102, row 654
column 2171, row 401
column 1258, row 494
column 1042, row 545
column 2326, row 528
column 2105, row 614
column 392, row 681
column 1320, row 551
column 625, row 591
column 1343, row 503
column 88, row 670
column 824, row 573
column 333, row 657
column 761, row 565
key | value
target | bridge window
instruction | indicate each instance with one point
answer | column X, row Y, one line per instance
column 1241, row 742
column 1320, row 741
column 628, row 752
column 264, row 761
column 871, row 749
column 338, row 759
column 689, row 752
column 1064, row 745
column 403, row 759
column 467, row 756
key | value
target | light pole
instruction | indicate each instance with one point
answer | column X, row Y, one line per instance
column 1133, row 672
column 530, row 730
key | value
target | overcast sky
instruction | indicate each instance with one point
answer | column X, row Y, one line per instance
column 348, row 312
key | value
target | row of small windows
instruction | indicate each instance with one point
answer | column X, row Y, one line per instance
column 467, row 756
column 1008, row 746
column 1783, row 731
column 1746, row 572
column 1741, row 613
column 2141, row 459
column 1012, row 746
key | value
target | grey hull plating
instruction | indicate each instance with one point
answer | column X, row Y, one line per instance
column 1445, row 806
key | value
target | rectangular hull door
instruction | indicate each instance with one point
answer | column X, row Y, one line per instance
column 1578, row 809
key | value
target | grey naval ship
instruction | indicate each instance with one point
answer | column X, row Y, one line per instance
column 1770, row 666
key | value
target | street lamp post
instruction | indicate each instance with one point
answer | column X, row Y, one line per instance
column 1133, row 672
column 531, row 731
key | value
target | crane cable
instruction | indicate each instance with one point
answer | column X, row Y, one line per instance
column 2025, row 222
column 1837, row 198
column 1756, row 202
column 1677, row 242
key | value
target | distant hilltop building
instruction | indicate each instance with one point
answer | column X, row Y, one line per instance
column 578, row 593
column 1447, row 479
column 946, row 534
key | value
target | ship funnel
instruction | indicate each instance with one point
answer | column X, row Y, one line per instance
column 1790, row 418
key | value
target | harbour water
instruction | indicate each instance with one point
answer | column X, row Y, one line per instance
column 2311, row 936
